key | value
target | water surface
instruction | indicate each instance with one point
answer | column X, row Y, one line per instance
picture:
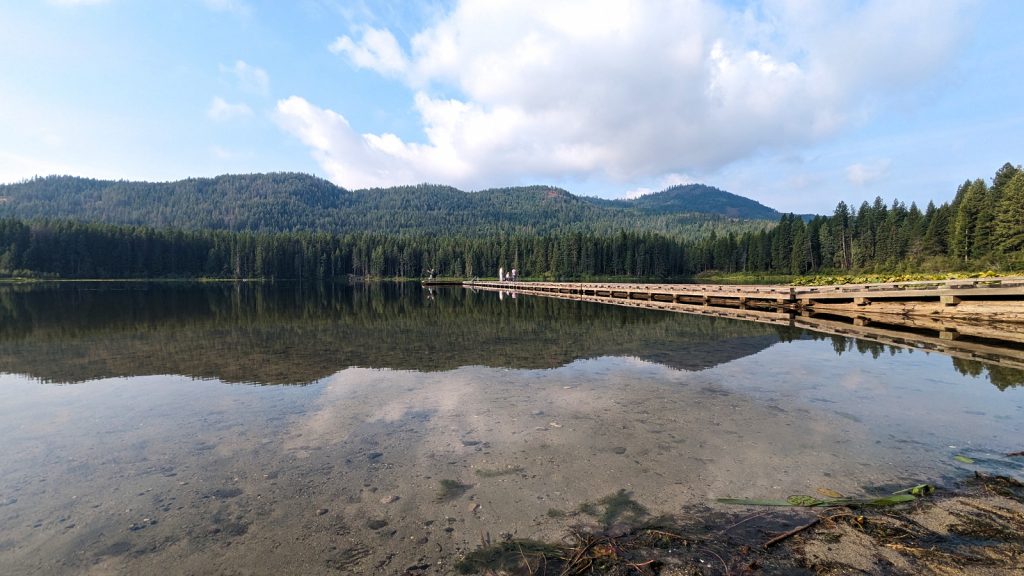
column 234, row 428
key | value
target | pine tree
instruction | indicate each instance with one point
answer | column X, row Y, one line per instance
column 1009, row 225
column 969, row 208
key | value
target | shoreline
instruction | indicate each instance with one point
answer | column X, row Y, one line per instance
column 977, row 527
column 709, row 278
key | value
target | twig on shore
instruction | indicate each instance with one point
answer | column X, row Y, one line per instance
column 792, row 532
column 751, row 517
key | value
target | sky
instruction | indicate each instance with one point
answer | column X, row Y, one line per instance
column 797, row 104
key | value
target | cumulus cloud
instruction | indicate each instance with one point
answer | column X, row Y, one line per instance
column 251, row 79
column 377, row 50
column 222, row 111
column 628, row 91
column 865, row 174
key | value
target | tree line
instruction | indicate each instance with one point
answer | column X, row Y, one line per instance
column 982, row 227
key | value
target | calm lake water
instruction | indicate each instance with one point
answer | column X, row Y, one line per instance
column 254, row 429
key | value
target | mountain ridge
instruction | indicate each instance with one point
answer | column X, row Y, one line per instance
column 291, row 201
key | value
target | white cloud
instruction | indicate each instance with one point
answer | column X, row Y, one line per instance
column 251, row 79
column 237, row 7
column 865, row 174
column 222, row 111
column 676, row 180
column 664, row 182
column 628, row 91
column 377, row 50
column 341, row 152
column 638, row 192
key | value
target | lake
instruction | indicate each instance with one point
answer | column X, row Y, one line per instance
column 183, row 428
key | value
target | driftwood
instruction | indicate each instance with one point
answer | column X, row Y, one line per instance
column 792, row 532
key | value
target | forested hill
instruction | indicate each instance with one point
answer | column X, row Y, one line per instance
column 280, row 202
column 703, row 199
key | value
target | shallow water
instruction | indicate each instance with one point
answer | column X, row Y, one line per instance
column 166, row 428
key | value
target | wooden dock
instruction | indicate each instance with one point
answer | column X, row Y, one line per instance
column 1002, row 297
column 976, row 319
column 701, row 294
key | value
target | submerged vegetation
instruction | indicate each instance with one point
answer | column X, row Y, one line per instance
column 836, row 499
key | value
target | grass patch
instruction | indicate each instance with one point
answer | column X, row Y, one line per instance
column 838, row 278
column 830, row 280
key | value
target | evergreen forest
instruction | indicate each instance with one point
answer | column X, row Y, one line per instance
column 289, row 202
column 981, row 228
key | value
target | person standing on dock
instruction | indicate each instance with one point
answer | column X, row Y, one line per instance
column 501, row 273
column 513, row 274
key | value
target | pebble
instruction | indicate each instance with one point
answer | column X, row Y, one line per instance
column 321, row 511
column 619, row 450
column 389, row 499
column 136, row 526
column 376, row 524
column 473, row 507
column 555, row 425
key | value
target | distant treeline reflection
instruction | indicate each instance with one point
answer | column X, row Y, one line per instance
column 297, row 333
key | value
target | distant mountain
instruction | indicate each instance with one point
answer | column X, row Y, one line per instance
column 702, row 199
column 292, row 202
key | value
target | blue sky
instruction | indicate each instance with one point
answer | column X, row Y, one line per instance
column 795, row 103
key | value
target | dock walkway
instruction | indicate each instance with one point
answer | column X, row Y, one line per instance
column 918, row 297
